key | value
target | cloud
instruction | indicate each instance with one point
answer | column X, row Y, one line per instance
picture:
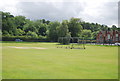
column 51, row 11
column 98, row 11
column 9, row 6
column 103, row 13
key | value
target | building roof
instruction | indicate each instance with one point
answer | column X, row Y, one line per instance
column 111, row 32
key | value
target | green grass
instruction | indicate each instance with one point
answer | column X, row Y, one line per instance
column 95, row 62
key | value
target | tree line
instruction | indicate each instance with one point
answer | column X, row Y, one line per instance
column 44, row 30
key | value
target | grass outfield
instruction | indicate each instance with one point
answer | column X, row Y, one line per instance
column 95, row 62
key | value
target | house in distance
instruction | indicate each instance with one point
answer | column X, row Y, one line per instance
column 108, row 37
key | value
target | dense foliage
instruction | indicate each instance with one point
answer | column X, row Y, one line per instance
column 14, row 27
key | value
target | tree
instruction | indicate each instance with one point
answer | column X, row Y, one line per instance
column 75, row 27
column 20, row 21
column 41, row 27
column 8, row 23
column 30, row 26
column 118, row 29
column 95, row 27
column 5, row 33
column 94, row 34
column 32, row 34
column 42, row 30
column 86, row 34
column 104, row 27
column 19, row 32
column 114, row 27
column 53, row 34
column 63, row 29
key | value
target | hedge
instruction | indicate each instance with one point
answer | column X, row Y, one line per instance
column 25, row 38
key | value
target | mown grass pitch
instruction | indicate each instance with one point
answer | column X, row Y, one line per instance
column 95, row 62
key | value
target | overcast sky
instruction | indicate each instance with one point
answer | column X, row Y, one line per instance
column 97, row 11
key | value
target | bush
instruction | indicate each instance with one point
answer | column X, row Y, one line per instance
column 64, row 41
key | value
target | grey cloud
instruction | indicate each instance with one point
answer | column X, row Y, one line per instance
column 108, row 14
column 59, row 11
column 65, row 10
